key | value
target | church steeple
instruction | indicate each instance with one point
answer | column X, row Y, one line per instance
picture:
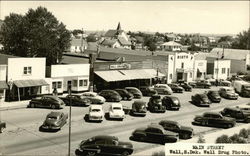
column 119, row 27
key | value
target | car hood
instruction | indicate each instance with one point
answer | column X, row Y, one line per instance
column 186, row 128
column 50, row 122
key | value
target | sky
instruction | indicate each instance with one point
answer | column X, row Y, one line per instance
column 216, row 17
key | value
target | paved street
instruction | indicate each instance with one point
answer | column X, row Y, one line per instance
column 22, row 136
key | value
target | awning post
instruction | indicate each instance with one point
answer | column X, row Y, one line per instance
column 18, row 92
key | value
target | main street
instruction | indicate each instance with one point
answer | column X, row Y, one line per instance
column 22, row 136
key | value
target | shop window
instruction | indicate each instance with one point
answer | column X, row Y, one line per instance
column 53, row 85
column 59, row 84
column 74, row 83
column 85, row 82
column 26, row 70
column 80, row 83
column 223, row 71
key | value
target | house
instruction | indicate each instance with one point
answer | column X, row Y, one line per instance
column 111, row 43
column 200, row 66
column 173, row 37
column 78, row 45
column 171, row 46
column 218, row 68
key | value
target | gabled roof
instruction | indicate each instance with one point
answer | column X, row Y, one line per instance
column 171, row 43
column 109, row 42
column 123, row 41
column 111, row 33
column 4, row 58
column 78, row 42
column 236, row 54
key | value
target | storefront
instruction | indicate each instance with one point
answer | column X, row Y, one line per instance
column 3, row 88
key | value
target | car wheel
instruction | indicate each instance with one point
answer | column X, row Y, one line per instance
column 125, row 153
column 90, row 153
column 125, row 98
column 53, row 106
column 32, row 105
column 204, row 123
column 229, row 125
column 185, row 136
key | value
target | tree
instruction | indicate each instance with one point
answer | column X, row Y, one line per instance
column 242, row 41
column 36, row 34
column 76, row 32
column 225, row 38
column 150, row 42
column 91, row 38
column 193, row 47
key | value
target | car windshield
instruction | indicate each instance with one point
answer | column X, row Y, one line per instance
column 52, row 117
column 230, row 91
column 95, row 110
column 116, row 108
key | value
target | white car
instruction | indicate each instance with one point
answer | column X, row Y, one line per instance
column 116, row 111
column 94, row 97
column 96, row 113
column 163, row 89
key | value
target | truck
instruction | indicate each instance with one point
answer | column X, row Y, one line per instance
column 242, row 88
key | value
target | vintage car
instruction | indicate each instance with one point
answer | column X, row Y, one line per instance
column 125, row 94
column 214, row 96
column 47, row 101
column 200, row 100
column 237, row 113
column 2, row 126
column 110, row 95
column 54, row 121
column 163, row 89
column 135, row 91
column 154, row 133
column 116, row 111
column 176, row 88
column 155, row 104
column 139, row 108
column 214, row 119
column 76, row 100
column 96, row 113
column 171, row 102
column 148, row 91
column 184, row 132
column 104, row 145
column 94, row 97
column 228, row 93
column 186, row 86
column 203, row 84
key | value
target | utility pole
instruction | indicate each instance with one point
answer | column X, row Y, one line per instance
column 81, row 42
column 70, row 103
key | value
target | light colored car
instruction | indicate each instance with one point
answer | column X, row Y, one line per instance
column 94, row 97
column 163, row 89
column 228, row 92
column 96, row 113
column 116, row 111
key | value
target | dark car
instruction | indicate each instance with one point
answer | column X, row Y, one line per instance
column 2, row 126
column 139, row 108
column 237, row 113
column 192, row 84
column 76, row 100
column 203, row 84
column 171, row 102
column 184, row 132
column 155, row 104
column 186, row 86
column 111, row 95
column 135, row 91
column 200, row 100
column 54, row 121
column 104, row 145
column 125, row 94
column 176, row 88
column 148, row 91
column 47, row 101
column 155, row 133
column 214, row 96
column 214, row 119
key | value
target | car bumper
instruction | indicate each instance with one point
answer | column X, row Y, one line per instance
column 92, row 118
column 51, row 127
column 116, row 116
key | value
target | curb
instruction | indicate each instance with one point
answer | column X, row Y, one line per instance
column 12, row 108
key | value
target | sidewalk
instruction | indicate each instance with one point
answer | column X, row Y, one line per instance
column 13, row 105
column 209, row 138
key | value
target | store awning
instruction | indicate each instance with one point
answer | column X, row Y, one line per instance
column 153, row 72
column 3, row 85
column 30, row 83
column 122, row 75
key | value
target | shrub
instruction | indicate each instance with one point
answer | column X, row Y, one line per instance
column 161, row 153
column 237, row 139
column 201, row 139
column 223, row 139
column 244, row 133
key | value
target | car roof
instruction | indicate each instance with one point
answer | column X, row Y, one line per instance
column 139, row 102
column 96, row 106
column 54, row 114
column 169, row 121
column 153, row 125
column 105, row 137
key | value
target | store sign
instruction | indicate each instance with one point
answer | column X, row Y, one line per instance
column 120, row 66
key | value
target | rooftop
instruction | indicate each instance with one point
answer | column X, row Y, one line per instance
column 237, row 54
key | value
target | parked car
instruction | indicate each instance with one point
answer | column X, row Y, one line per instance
column 139, row 108
column 192, row 84
column 94, row 97
column 171, row 102
column 184, row 132
column 163, row 89
column 116, row 111
column 176, row 88
column 214, row 119
column 228, row 93
column 104, row 145
column 213, row 96
column 148, row 91
column 54, row 121
column 47, row 101
column 111, row 95
column 155, row 104
column 155, row 133
column 200, row 100
column 242, row 88
column 125, row 94
column 135, row 91
column 2, row 126
column 203, row 84
column 96, row 113
column 244, row 107
column 237, row 113
column 76, row 100
column 186, row 86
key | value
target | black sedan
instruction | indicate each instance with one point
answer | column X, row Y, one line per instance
column 54, row 121
column 104, row 145
column 135, row 91
column 125, row 94
column 214, row 96
column 76, row 100
column 171, row 102
column 139, row 108
column 148, row 91
column 186, row 86
column 176, row 88
column 200, row 100
column 111, row 95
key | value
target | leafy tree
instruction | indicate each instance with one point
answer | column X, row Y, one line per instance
column 91, row 38
column 225, row 38
column 150, row 42
column 201, row 139
column 242, row 41
column 36, row 34
column 223, row 139
column 193, row 47
column 76, row 32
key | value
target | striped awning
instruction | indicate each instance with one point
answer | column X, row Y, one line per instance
column 3, row 85
column 30, row 83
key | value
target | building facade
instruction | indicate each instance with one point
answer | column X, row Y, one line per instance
column 3, row 84
column 200, row 69
column 218, row 69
